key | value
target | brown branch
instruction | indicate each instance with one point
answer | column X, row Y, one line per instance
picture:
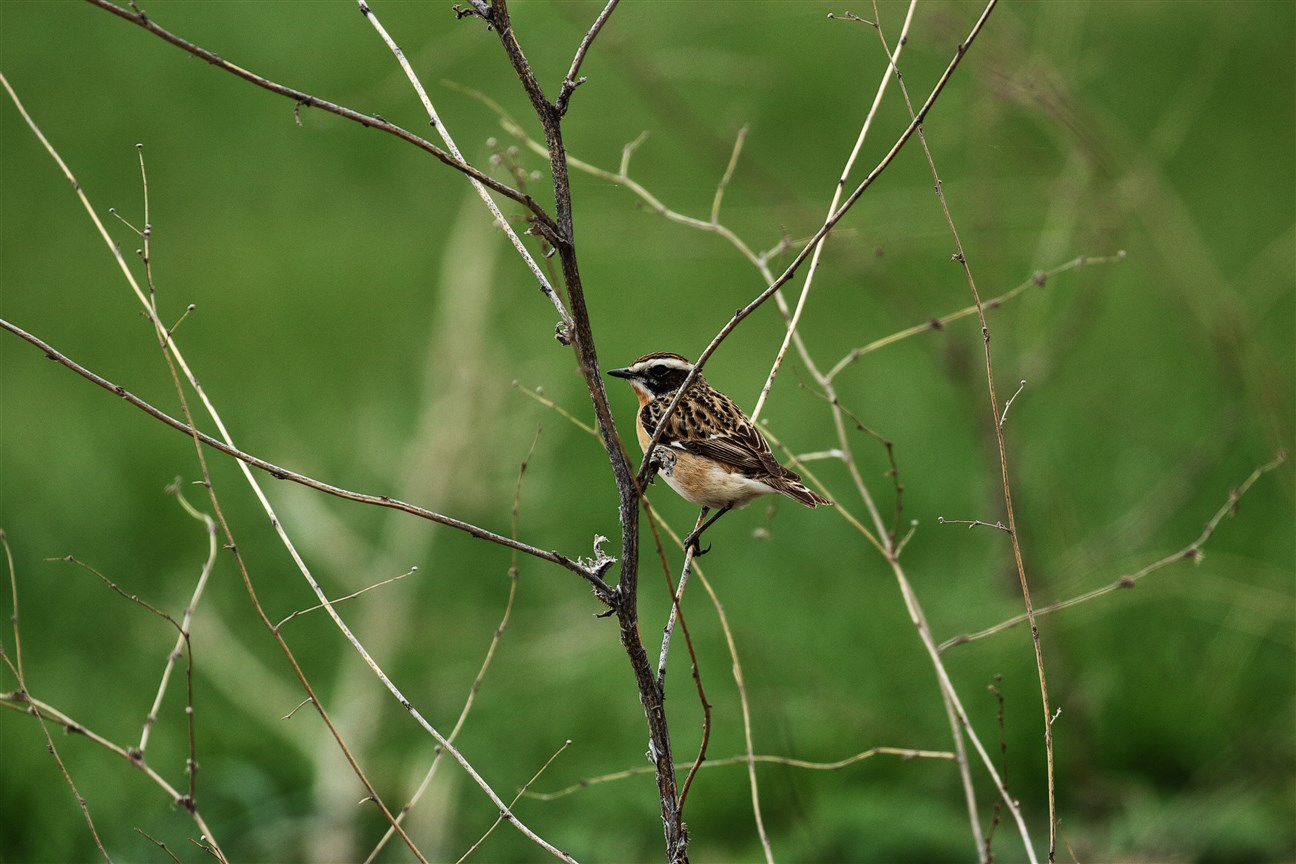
column 571, row 82
column 591, row 572
column 563, row 330
column 481, row 672
column 629, row 485
column 173, row 358
column 24, row 702
column 677, row 613
column 368, row 121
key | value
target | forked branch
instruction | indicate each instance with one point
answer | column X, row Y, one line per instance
column 591, row 573
column 369, row 121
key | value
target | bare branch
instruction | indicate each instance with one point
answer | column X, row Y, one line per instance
column 366, row 120
column 728, row 175
column 904, row 753
column 23, row 700
column 563, row 330
column 974, row 523
column 1191, row 552
column 571, row 82
column 837, row 216
column 285, row 474
column 1003, row 417
column 1037, row 280
column 174, row 359
column 354, row 594
column 1011, row 528
column 513, row 803
column 795, row 317
column 629, row 485
column 29, row 704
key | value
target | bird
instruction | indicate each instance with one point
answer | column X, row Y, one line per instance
column 714, row 457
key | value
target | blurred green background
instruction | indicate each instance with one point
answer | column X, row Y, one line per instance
column 358, row 320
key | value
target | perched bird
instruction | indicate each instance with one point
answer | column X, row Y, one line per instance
column 720, row 459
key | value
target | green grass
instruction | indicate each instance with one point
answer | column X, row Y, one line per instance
column 358, row 320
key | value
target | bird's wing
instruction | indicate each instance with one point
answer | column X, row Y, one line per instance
column 714, row 427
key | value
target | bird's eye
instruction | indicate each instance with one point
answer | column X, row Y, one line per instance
column 657, row 371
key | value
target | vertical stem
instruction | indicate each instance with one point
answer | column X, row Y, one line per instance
column 625, row 604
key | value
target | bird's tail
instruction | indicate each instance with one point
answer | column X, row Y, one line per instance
column 793, row 488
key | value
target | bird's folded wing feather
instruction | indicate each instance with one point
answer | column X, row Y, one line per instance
column 692, row 428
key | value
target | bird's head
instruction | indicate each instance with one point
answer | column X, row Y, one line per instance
column 655, row 375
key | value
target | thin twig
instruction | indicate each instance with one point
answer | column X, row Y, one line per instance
column 827, row 226
column 1037, row 280
column 961, row 257
column 182, row 639
column 354, row 594
column 974, row 523
column 571, row 81
column 174, row 358
column 749, row 758
column 677, row 611
column 564, row 319
column 538, row 396
column 426, row 782
column 675, row 606
column 1192, row 552
column 186, row 619
column 192, row 765
column 24, row 701
column 959, row 721
column 742, row 759
column 988, row 853
column 838, row 189
column 1003, row 417
column 305, row 99
column 285, row 474
column 175, row 361
column 158, row 843
column 23, row 697
column 728, row 175
column 1011, row 528
column 516, row 798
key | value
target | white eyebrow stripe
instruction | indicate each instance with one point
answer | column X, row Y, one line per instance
column 668, row 362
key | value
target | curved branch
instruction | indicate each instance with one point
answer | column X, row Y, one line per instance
column 591, row 574
column 367, row 120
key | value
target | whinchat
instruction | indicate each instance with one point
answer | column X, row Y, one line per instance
column 714, row 456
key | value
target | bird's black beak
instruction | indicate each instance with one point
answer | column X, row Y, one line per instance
column 620, row 373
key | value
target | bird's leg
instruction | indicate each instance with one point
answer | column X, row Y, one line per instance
column 692, row 539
